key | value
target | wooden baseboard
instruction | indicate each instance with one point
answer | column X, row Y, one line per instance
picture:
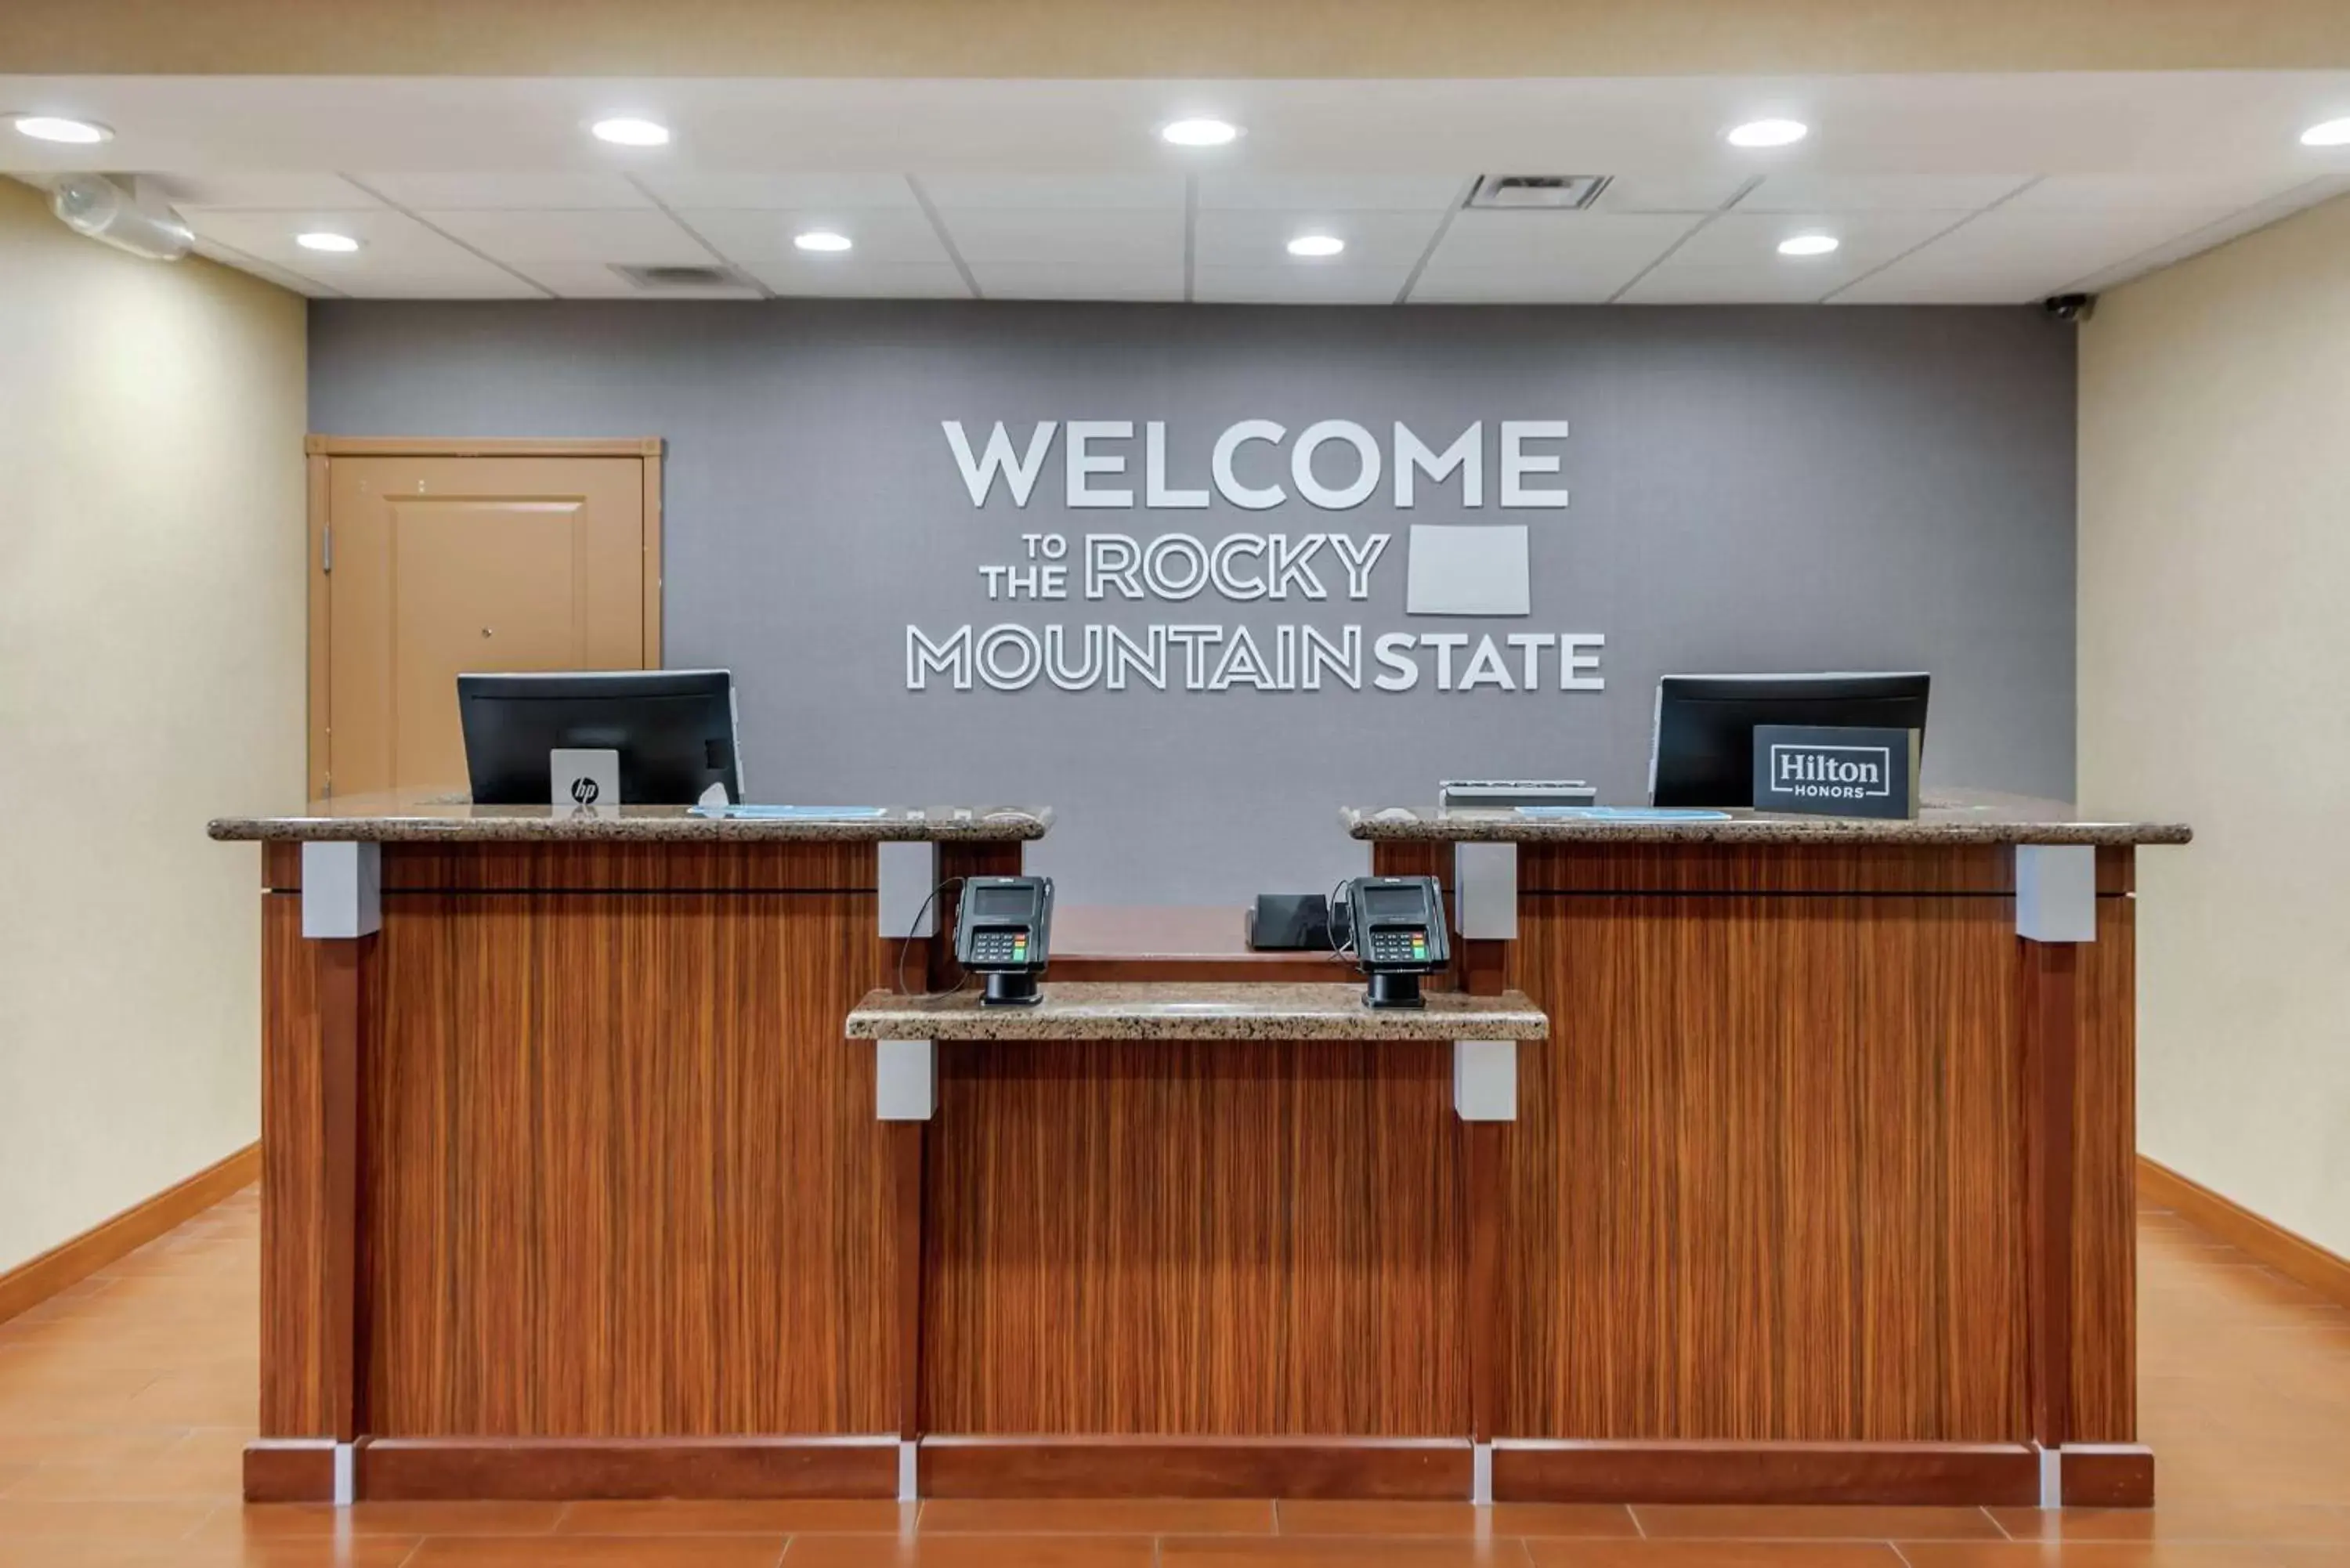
column 436, row 1469
column 1435, row 1470
column 1952, row 1474
column 2107, row 1475
column 35, row 1281
column 289, row 1470
column 2295, row 1256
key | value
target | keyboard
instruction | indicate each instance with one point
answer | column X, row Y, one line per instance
column 1501, row 794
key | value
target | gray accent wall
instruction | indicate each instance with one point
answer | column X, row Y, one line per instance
column 1752, row 489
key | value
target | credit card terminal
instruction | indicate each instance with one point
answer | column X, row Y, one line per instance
column 1004, row 930
column 1396, row 926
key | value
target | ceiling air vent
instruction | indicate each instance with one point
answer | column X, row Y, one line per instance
column 656, row 279
column 1539, row 192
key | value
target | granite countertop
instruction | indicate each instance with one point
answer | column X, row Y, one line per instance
column 1193, row 1010
column 1944, row 816
column 396, row 820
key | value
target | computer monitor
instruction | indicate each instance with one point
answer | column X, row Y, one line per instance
column 675, row 730
column 1702, row 751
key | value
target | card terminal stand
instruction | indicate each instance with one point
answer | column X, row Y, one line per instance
column 1396, row 926
column 1004, row 930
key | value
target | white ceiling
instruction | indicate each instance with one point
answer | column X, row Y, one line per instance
column 1944, row 189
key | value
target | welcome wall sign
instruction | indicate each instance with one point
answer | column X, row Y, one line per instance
column 1475, row 569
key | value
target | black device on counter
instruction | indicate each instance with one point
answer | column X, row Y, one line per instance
column 1701, row 751
column 675, row 730
column 1395, row 926
column 1004, row 930
column 1289, row 922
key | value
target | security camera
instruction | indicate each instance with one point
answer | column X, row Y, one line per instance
column 107, row 210
column 2070, row 306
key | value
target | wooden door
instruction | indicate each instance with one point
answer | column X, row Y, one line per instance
column 434, row 563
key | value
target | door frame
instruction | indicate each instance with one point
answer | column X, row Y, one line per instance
column 319, row 450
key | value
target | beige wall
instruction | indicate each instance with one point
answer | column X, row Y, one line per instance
column 2215, row 685
column 151, row 675
column 1165, row 38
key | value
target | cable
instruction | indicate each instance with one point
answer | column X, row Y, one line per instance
column 962, row 976
column 1345, row 951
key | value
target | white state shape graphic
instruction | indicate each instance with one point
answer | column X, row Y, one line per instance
column 1467, row 571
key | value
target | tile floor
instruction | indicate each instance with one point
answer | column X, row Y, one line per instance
column 124, row 1404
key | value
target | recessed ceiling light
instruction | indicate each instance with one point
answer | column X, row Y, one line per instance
column 632, row 132
column 1316, row 245
column 1199, row 132
column 821, row 240
column 50, row 128
column 1807, row 245
column 1769, row 133
column 2326, row 133
column 326, row 240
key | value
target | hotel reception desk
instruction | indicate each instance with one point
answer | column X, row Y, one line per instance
column 1771, row 1160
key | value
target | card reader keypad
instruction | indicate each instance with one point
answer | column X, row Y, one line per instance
column 999, row 947
column 1399, row 945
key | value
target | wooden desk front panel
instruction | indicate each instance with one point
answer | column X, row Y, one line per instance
column 1767, row 1181
column 621, row 1172
column 1234, row 1239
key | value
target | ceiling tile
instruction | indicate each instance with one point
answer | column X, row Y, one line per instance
column 649, row 238
column 2216, row 233
column 1258, row 238
column 811, row 278
column 1485, row 239
column 592, row 280
column 515, row 192
column 216, row 250
column 1080, row 280
column 886, row 237
column 1063, row 238
column 1673, row 283
column 778, row 192
column 1331, row 192
column 278, row 192
column 1813, row 193
column 492, row 285
column 1669, row 193
column 2012, row 254
column 396, row 252
column 1064, row 192
column 1864, row 240
column 1517, row 286
column 1338, row 280
column 2153, row 193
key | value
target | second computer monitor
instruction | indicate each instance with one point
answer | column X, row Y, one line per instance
column 1702, row 751
column 675, row 730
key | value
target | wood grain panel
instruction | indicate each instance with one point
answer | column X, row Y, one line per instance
column 1185, row 1238
column 1884, row 1474
column 293, row 1198
column 755, row 866
column 624, row 1177
column 1765, row 868
column 1044, row 1467
column 2048, row 995
column 2105, row 1160
column 1765, row 1182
